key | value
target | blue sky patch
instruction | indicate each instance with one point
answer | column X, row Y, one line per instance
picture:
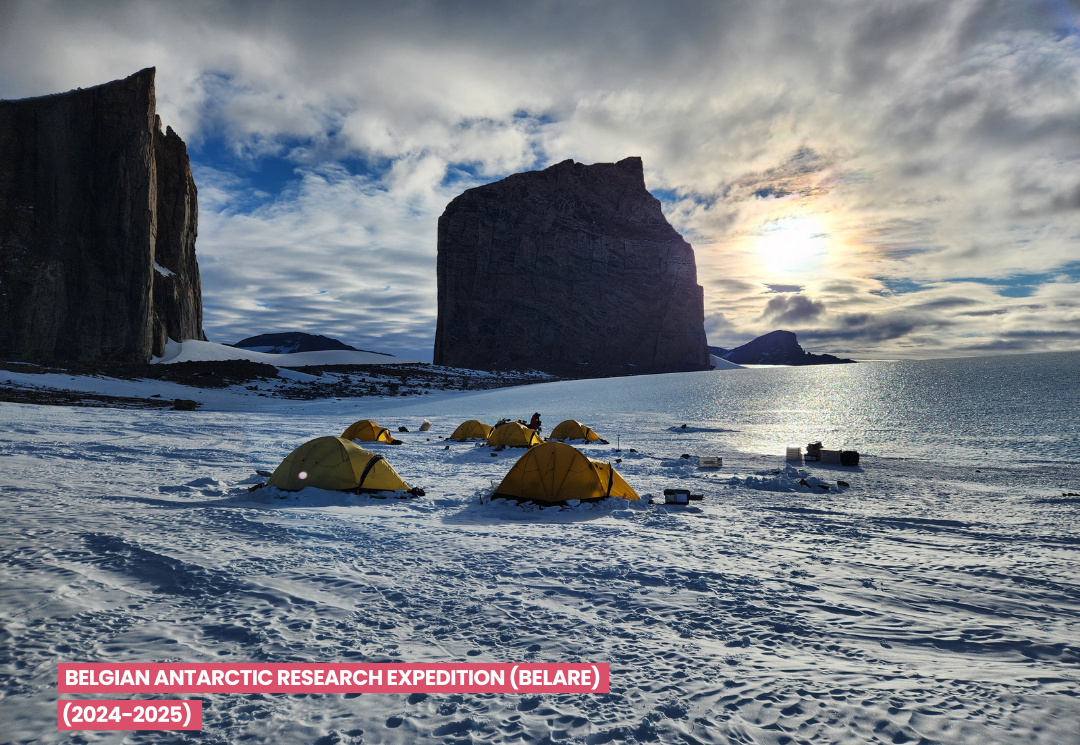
column 1025, row 285
column 898, row 286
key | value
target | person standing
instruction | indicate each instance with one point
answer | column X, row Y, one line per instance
column 534, row 423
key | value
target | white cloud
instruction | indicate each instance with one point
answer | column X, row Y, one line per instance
column 338, row 254
column 933, row 142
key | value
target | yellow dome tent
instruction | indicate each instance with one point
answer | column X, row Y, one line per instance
column 367, row 431
column 556, row 472
column 572, row 430
column 336, row 464
column 513, row 435
column 471, row 430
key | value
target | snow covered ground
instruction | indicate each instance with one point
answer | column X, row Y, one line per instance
column 719, row 363
column 194, row 350
column 933, row 601
column 353, row 383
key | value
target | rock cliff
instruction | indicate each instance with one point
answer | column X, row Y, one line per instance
column 98, row 218
column 177, row 290
column 572, row 270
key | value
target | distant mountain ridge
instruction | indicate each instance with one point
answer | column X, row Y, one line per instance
column 776, row 348
column 294, row 342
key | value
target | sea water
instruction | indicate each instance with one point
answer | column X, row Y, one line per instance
column 1023, row 408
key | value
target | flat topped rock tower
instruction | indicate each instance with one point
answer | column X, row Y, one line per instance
column 98, row 219
column 572, row 270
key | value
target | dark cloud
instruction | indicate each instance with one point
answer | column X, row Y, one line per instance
column 792, row 309
column 785, row 288
column 998, row 345
column 1043, row 334
column 875, row 328
column 981, row 20
column 983, row 313
column 1069, row 200
column 884, row 36
column 717, row 326
column 1008, row 126
column 1032, row 307
column 1032, row 340
column 905, row 237
column 942, row 303
column 841, row 287
column 735, row 286
column 799, row 175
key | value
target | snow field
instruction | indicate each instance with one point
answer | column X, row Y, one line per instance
column 790, row 479
column 194, row 350
column 926, row 603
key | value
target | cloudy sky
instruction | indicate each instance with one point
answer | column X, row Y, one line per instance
column 886, row 178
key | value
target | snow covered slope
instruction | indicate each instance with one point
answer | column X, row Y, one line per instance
column 719, row 363
column 194, row 350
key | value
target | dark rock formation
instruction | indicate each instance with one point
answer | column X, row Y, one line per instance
column 177, row 290
column 291, row 342
column 718, row 351
column 92, row 195
column 778, row 348
column 572, row 270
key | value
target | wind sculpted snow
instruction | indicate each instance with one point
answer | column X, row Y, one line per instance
column 929, row 602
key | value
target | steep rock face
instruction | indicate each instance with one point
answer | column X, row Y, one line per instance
column 778, row 348
column 91, row 195
column 177, row 291
column 572, row 270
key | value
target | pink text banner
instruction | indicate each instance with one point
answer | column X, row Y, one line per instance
column 382, row 677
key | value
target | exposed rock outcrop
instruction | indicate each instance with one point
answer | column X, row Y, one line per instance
column 98, row 218
column 778, row 348
column 572, row 270
column 293, row 342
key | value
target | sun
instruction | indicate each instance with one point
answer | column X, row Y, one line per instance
column 792, row 244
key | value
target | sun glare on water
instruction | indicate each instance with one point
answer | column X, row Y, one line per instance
column 792, row 244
